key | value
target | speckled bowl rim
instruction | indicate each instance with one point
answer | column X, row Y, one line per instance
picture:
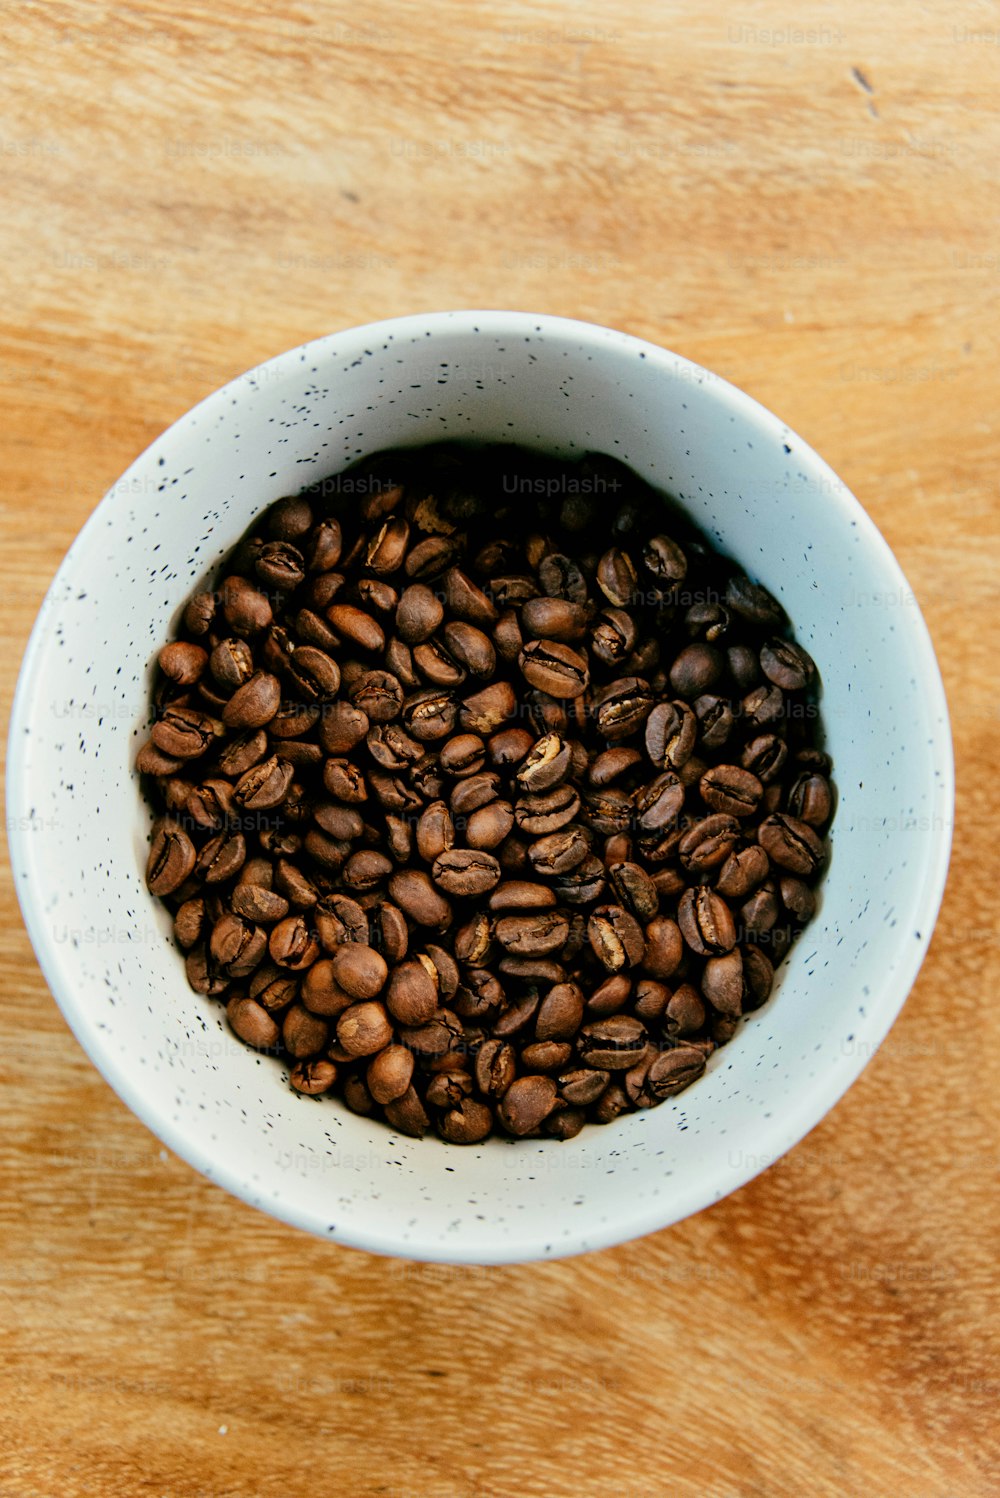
column 777, row 1135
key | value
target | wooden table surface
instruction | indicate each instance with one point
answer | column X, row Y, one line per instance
column 804, row 199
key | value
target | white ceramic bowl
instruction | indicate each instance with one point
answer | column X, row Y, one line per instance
column 78, row 826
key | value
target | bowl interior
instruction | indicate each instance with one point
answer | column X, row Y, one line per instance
column 79, row 827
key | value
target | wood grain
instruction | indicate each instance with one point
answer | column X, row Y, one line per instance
column 811, row 212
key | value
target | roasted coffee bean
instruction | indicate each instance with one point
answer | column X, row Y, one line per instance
column 616, row 577
column 759, row 913
column 728, row 788
column 252, row 1023
column 546, row 812
column 389, row 1073
column 559, row 852
column 417, row 897
column 708, row 842
column 546, row 764
column 407, row 1114
column 411, row 996
column 658, row 803
column 796, row 897
column 303, row 1033
column 787, row 665
column 364, row 1029
column 171, row 858
column 758, row 976
column 616, row 938
column 706, row 922
column 430, row 714
column 763, row 705
column 583, row 884
column 265, row 786
column 810, row 798
column 341, row 727
column 554, row 668
column 671, row 733
column 465, row 754
column 185, row 733
column 622, row 707
column 722, row 982
column 715, row 721
column 483, row 712
column 791, row 844
column 752, row 602
column 555, row 619
column 379, row 696
column 695, row 669
column 664, row 947
column 221, row 857
column 612, row 1044
column 532, row 935
column 465, row 872
column 674, row 1070
column 635, row 889
column 292, row 944
column 742, row 871
column 313, row 1077
column 526, row 1104
column 665, row 559
column 246, row 609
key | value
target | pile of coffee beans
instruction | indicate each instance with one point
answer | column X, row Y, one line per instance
column 488, row 794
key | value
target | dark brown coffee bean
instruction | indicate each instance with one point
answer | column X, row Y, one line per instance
column 554, row 668
column 407, row 1113
column 353, row 624
column 526, row 1104
column 742, row 871
column 555, row 619
column 292, row 944
column 728, row 788
column 185, row 733
column 796, row 897
column 281, row 565
column 321, row 992
column 364, row 1029
column 546, row 764
column 467, row 601
column 582, row 885
column 697, row 668
column 417, row 897
column 706, row 922
column 303, row 1033
column 171, row 858
column 379, row 695
column 709, row 842
column 610, row 996
column 758, row 977
column 360, row 970
column 246, row 609
column 616, row 938
column 418, row 614
column 470, row 647
column 560, row 1013
column 465, row 754
column 787, row 664
column 665, row 559
column 622, row 707
column 664, row 947
column 389, row 1073
column 546, row 812
column 488, row 826
column 685, row 1012
column 436, row 665
column 613, row 637
column 810, row 798
column 546, row 1055
column 635, row 889
column 465, row 872
column 314, row 675
column 582, row 1087
column 153, row 761
column 199, row 613
column 763, row 705
column 722, row 982
column 752, row 602
column 411, row 996
column 183, row 662
column 341, row 727
column 616, row 577
column 221, row 857
column 532, row 935
column 265, row 786
column 791, row 844
column 612, row 1044
column 759, row 913
column 658, row 804
column 264, row 906
column 715, row 720
column 313, row 1077
column 252, row 1023
column 650, row 1002
column 430, row 714
column 559, row 852
column 674, row 1070
column 441, row 1035
column 611, row 764
column 483, row 712
column 366, row 870
column 468, row 1122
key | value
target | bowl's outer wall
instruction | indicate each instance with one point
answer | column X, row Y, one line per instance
column 79, row 829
